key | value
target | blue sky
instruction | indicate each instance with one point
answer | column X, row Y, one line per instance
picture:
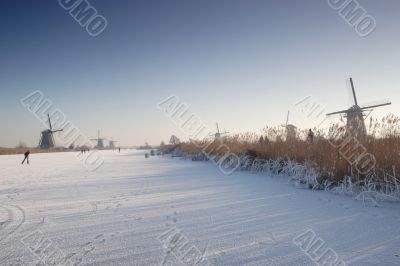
column 241, row 63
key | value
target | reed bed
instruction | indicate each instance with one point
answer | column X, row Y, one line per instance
column 322, row 155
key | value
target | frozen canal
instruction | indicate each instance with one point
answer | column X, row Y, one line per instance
column 163, row 211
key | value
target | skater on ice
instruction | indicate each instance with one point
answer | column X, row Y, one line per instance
column 26, row 157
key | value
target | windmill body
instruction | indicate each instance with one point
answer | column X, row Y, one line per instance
column 291, row 130
column 355, row 125
column 355, row 121
column 100, row 141
column 111, row 144
column 47, row 139
column 100, row 144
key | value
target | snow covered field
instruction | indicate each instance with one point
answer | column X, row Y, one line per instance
column 134, row 211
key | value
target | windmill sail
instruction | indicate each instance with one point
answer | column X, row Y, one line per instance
column 376, row 104
column 354, row 91
column 287, row 118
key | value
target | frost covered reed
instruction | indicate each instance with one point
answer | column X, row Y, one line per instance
column 319, row 164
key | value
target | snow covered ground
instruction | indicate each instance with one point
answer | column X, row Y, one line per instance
column 166, row 211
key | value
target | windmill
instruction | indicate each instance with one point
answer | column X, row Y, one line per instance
column 111, row 144
column 218, row 135
column 355, row 115
column 291, row 130
column 47, row 140
column 100, row 144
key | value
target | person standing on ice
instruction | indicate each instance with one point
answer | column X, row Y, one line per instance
column 310, row 136
column 26, row 157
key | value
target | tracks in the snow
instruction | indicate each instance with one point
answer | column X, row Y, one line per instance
column 12, row 217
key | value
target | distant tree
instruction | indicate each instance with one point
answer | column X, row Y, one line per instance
column 21, row 144
column 174, row 140
column 162, row 144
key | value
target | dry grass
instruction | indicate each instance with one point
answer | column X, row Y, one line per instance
column 383, row 142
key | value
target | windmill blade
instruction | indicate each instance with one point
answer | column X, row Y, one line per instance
column 48, row 117
column 374, row 106
column 217, row 128
column 58, row 130
column 377, row 104
column 354, row 91
column 338, row 112
column 287, row 118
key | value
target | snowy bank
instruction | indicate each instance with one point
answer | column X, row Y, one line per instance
column 370, row 190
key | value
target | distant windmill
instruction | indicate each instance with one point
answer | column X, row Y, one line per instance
column 100, row 143
column 111, row 144
column 47, row 140
column 355, row 115
column 291, row 130
column 218, row 135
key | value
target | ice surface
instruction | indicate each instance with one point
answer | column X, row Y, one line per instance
column 55, row 210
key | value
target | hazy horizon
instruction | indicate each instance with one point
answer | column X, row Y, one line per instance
column 239, row 63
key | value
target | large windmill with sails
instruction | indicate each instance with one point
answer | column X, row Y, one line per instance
column 47, row 139
column 100, row 141
column 355, row 115
column 218, row 134
column 291, row 130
